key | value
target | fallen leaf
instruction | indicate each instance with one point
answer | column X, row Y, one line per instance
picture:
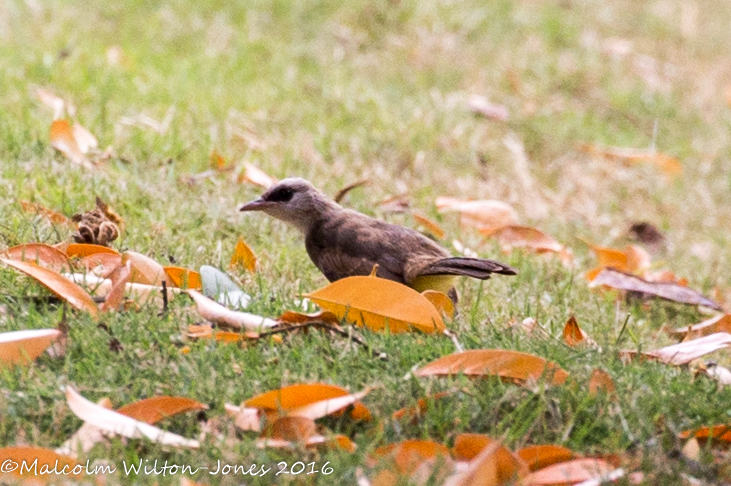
column 217, row 161
column 480, row 105
column 719, row 323
column 52, row 216
column 336, row 441
column 119, row 424
column 717, row 434
column 377, row 303
column 83, row 250
column 145, row 270
column 256, row 176
column 294, row 317
column 245, row 418
column 102, row 286
column 673, row 292
column 493, row 466
column 57, row 104
column 512, row 236
column 86, row 437
column 540, row 456
column 570, row 472
column 719, row 373
column 511, row 365
column 685, row 352
column 324, row 408
column 421, row 407
column 58, row 284
column 486, row 215
column 467, row 446
column 429, row 225
column 42, row 254
column 183, row 278
column 600, row 381
column 572, row 333
column 667, row 164
column 214, row 312
column 633, row 259
column 310, row 400
column 152, row 410
column 243, row 256
column 47, row 461
column 85, row 140
column 410, row 461
column 345, row 190
column 440, row 301
column 101, row 264
column 22, row 347
column 120, row 278
column 62, row 139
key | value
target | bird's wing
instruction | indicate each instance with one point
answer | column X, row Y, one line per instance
column 351, row 244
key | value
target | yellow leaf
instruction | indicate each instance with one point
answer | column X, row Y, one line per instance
column 21, row 347
column 85, row 249
column 377, row 303
column 183, row 278
column 243, row 256
column 298, row 400
column 63, row 139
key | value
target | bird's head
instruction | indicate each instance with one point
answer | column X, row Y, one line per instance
column 293, row 200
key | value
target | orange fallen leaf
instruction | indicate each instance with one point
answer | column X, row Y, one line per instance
column 152, row 410
column 467, row 446
column 719, row 323
column 243, row 256
column 42, row 254
column 295, row 429
column 601, row 381
column 58, row 284
column 440, row 301
column 83, row 250
column 217, row 161
column 572, row 333
column 378, row 303
column 494, row 466
column 421, row 407
column 120, row 278
column 294, row 317
column 21, row 347
column 335, row 442
column 410, row 459
column 430, row 225
column 119, row 424
column 667, row 164
column 717, row 434
column 633, row 259
column 145, row 270
column 47, row 460
column 204, row 331
column 215, row 312
column 512, row 236
column 570, row 472
column 309, row 399
column 619, row 280
column 540, row 456
column 101, row 264
column 511, row 365
column 52, row 216
column 256, row 176
column 63, row 139
column 183, row 278
column 486, row 214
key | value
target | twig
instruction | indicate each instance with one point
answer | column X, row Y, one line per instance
column 332, row 327
column 453, row 337
column 164, row 297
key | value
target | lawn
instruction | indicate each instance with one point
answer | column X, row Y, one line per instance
column 379, row 90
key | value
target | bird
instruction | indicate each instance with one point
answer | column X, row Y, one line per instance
column 344, row 243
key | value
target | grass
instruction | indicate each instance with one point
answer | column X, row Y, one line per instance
column 337, row 92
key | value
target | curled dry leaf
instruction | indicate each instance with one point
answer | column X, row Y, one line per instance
column 485, row 215
column 58, row 284
column 21, row 347
column 510, row 365
column 215, row 312
column 667, row 164
column 600, row 381
column 120, row 278
column 539, row 456
column 52, row 216
column 673, row 292
column 685, row 352
column 340, row 195
column 152, row 410
column 430, row 226
column 183, row 278
column 377, row 303
column 570, row 472
column 256, row 176
column 42, row 254
column 243, row 256
column 47, row 460
column 145, row 270
column 63, row 139
column 119, row 424
column 310, row 400
column 572, row 333
column 719, row 323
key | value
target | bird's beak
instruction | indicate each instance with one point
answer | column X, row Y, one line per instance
column 255, row 205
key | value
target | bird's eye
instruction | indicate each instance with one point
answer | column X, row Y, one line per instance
column 283, row 194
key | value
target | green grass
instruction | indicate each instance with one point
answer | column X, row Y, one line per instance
column 337, row 92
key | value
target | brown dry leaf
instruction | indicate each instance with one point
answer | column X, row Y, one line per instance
column 480, row 105
column 145, row 270
column 294, row 429
column 152, row 410
column 616, row 279
column 83, row 250
column 667, row 164
column 570, row 472
column 719, row 323
column 512, row 236
column 120, row 278
column 376, row 303
column 440, row 301
column 118, row 424
column 101, row 264
column 685, row 352
column 215, row 312
column 183, row 278
column 430, row 226
column 467, row 446
column 63, row 139
column 22, row 347
column 485, row 215
column 493, row 466
column 572, row 333
column 345, row 190
column 247, row 419
column 600, row 381
column 47, row 460
column 294, row 317
column 256, row 176
column 243, row 256
column 311, row 400
column 511, row 365
column 52, row 216
column 421, row 407
column 42, row 254
column 410, row 460
column 58, row 284
column 540, row 456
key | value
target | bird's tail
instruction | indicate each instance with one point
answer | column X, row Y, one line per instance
column 468, row 267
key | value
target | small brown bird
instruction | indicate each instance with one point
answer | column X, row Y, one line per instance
column 343, row 243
